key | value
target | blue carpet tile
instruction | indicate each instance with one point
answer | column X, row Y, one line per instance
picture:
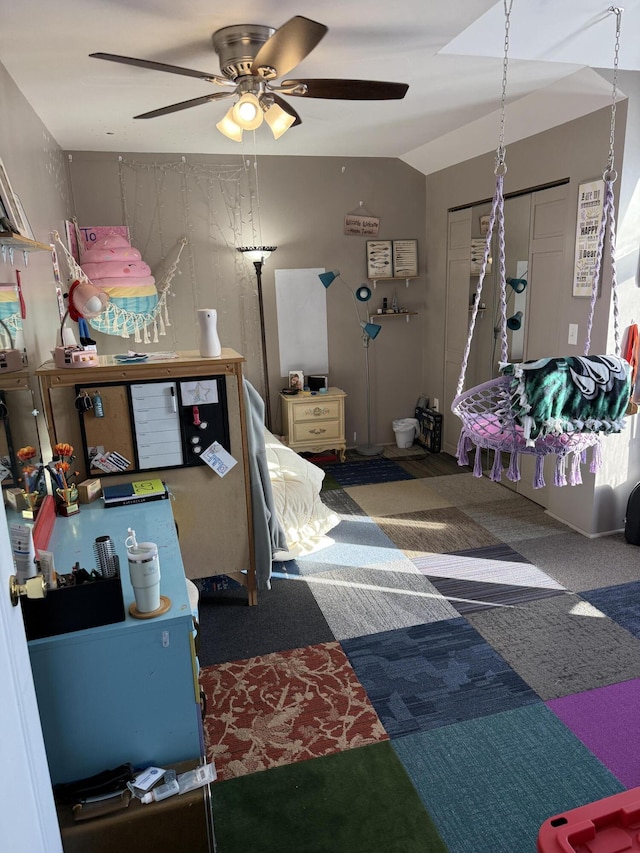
column 342, row 503
column 426, row 676
column 620, row 603
column 469, row 596
column 363, row 474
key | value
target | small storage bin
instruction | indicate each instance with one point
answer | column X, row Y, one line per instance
column 73, row 608
column 429, row 429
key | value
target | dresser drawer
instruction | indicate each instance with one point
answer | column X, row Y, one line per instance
column 320, row 431
column 313, row 410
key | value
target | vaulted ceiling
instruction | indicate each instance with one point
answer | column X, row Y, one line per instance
column 450, row 54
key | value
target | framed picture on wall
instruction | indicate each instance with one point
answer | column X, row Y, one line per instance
column 405, row 258
column 379, row 259
column 9, row 208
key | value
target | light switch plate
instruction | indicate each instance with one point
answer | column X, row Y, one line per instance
column 573, row 334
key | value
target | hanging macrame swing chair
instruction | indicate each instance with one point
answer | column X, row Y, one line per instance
column 552, row 406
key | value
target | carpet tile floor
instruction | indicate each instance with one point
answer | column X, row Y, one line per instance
column 449, row 670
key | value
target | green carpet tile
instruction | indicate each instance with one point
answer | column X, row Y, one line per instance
column 359, row 801
column 490, row 783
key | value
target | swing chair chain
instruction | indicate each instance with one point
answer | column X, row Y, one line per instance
column 501, row 167
column 610, row 173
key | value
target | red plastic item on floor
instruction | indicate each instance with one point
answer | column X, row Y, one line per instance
column 611, row 825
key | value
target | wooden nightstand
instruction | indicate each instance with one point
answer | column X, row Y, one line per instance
column 314, row 423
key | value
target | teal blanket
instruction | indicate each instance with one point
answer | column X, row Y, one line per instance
column 572, row 394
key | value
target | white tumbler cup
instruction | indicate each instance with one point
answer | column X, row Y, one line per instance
column 144, row 571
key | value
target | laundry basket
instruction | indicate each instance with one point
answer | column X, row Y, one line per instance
column 405, row 429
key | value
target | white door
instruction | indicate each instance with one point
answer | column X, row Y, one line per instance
column 27, row 812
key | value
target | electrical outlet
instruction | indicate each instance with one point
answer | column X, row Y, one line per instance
column 436, row 404
column 573, row 334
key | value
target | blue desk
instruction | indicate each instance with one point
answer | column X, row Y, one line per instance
column 125, row 692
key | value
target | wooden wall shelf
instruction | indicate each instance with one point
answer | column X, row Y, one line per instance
column 24, row 244
column 404, row 278
column 407, row 314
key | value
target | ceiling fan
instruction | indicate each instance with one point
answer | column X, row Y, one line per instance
column 252, row 57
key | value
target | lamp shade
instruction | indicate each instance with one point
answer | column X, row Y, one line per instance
column 371, row 329
column 363, row 293
column 518, row 284
column 515, row 321
column 328, row 278
column 229, row 128
column 278, row 120
column 257, row 254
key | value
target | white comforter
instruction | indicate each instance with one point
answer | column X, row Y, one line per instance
column 296, row 485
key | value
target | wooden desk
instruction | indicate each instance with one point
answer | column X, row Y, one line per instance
column 213, row 514
column 125, row 692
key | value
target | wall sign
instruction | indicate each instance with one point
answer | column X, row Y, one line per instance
column 356, row 224
column 590, row 204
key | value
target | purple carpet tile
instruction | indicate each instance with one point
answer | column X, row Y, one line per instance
column 607, row 721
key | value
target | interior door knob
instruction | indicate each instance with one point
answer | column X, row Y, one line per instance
column 35, row 587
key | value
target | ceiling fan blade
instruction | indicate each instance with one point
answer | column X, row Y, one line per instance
column 288, row 46
column 162, row 66
column 347, row 90
column 287, row 108
column 185, row 105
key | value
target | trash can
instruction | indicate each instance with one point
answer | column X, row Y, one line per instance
column 406, row 429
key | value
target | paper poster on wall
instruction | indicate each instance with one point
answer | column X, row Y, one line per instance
column 590, row 204
column 302, row 321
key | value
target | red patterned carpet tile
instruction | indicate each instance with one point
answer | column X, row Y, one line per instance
column 284, row 707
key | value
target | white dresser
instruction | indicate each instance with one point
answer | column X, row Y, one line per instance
column 314, row 423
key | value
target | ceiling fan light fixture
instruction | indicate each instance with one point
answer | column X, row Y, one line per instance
column 279, row 120
column 229, row 128
column 247, row 112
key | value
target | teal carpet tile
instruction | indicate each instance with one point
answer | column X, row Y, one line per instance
column 490, row 783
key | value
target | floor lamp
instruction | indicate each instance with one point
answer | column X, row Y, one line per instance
column 369, row 332
column 258, row 255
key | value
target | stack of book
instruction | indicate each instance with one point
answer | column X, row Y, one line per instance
column 136, row 492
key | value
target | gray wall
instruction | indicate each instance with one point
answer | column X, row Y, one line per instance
column 298, row 205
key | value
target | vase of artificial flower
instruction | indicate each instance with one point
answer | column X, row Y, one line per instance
column 31, row 472
column 66, row 491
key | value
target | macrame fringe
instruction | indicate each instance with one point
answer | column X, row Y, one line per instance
column 513, row 472
column 462, row 450
column 496, row 470
column 477, row 465
column 575, row 474
column 596, row 458
column 538, row 479
column 560, row 474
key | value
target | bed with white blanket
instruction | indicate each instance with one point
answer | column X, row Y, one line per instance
column 289, row 519
column 296, row 485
